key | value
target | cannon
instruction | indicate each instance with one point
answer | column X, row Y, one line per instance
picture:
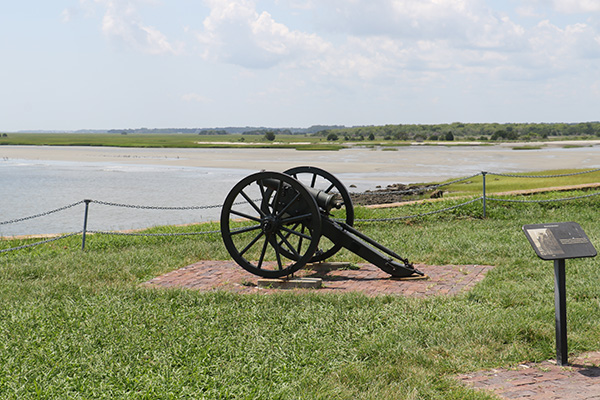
column 274, row 223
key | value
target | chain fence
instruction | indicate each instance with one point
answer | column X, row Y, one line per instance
column 139, row 207
column 25, row 246
column 544, row 176
column 418, row 215
column 13, row 221
column 484, row 198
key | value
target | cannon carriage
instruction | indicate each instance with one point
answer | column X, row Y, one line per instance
column 274, row 223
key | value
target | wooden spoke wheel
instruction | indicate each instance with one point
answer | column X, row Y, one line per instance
column 322, row 180
column 270, row 224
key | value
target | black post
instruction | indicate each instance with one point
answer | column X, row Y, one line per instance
column 483, row 173
column 85, row 218
column 560, row 310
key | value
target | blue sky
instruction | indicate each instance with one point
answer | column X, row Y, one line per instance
column 101, row 64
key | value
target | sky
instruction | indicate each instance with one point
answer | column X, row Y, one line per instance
column 116, row 64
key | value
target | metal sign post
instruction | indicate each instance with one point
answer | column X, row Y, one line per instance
column 559, row 241
column 560, row 313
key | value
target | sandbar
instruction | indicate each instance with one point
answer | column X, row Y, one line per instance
column 416, row 163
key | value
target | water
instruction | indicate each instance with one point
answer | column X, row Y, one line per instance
column 33, row 188
column 34, row 180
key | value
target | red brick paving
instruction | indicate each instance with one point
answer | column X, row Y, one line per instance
column 543, row 381
column 370, row 280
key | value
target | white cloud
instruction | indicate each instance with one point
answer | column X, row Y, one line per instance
column 195, row 98
column 121, row 22
column 69, row 14
column 560, row 48
column 236, row 33
column 576, row 6
column 362, row 42
column 528, row 10
column 406, row 19
column 533, row 7
column 436, row 37
column 377, row 37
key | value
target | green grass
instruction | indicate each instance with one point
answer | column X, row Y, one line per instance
column 497, row 183
column 76, row 324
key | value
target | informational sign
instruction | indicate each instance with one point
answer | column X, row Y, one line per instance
column 559, row 241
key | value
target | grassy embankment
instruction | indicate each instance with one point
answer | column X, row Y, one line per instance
column 76, row 324
column 168, row 140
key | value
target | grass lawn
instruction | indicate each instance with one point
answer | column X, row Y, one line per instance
column 76, row 324
column 496, row 183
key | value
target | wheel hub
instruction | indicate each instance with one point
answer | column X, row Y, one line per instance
column 269, row 224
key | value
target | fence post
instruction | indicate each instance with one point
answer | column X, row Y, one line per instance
column 85, row 218
column 483, row 173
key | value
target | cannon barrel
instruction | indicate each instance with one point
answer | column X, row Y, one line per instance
column 325, row 200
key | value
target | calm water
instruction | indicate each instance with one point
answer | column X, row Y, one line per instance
column 32, row 186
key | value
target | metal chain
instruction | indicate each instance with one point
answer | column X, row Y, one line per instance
column 154, row 234
column 417, row 215
column 42, row 242
column 106, row 203
column 12, row 221
column 544, row 176
column 458, row 180
column 543, row 201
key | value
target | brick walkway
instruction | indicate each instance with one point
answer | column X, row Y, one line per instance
column 544, row 381
column 370, row 280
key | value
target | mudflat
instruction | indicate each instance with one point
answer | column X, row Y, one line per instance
column 416, row 163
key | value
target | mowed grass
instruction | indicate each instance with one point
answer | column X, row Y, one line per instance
column 76, row 324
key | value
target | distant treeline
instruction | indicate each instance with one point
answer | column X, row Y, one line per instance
column 465, row 131
column 456, row 130
column 230, row 130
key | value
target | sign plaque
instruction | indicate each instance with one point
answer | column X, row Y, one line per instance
column 559, row 241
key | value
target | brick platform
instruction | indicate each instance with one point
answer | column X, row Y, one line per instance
column 368, row 279
column 544, row 381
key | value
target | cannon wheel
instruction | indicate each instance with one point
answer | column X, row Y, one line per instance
column 320, row 179
column 265, row 235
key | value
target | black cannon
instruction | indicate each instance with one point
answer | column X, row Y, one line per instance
column 275, row 223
